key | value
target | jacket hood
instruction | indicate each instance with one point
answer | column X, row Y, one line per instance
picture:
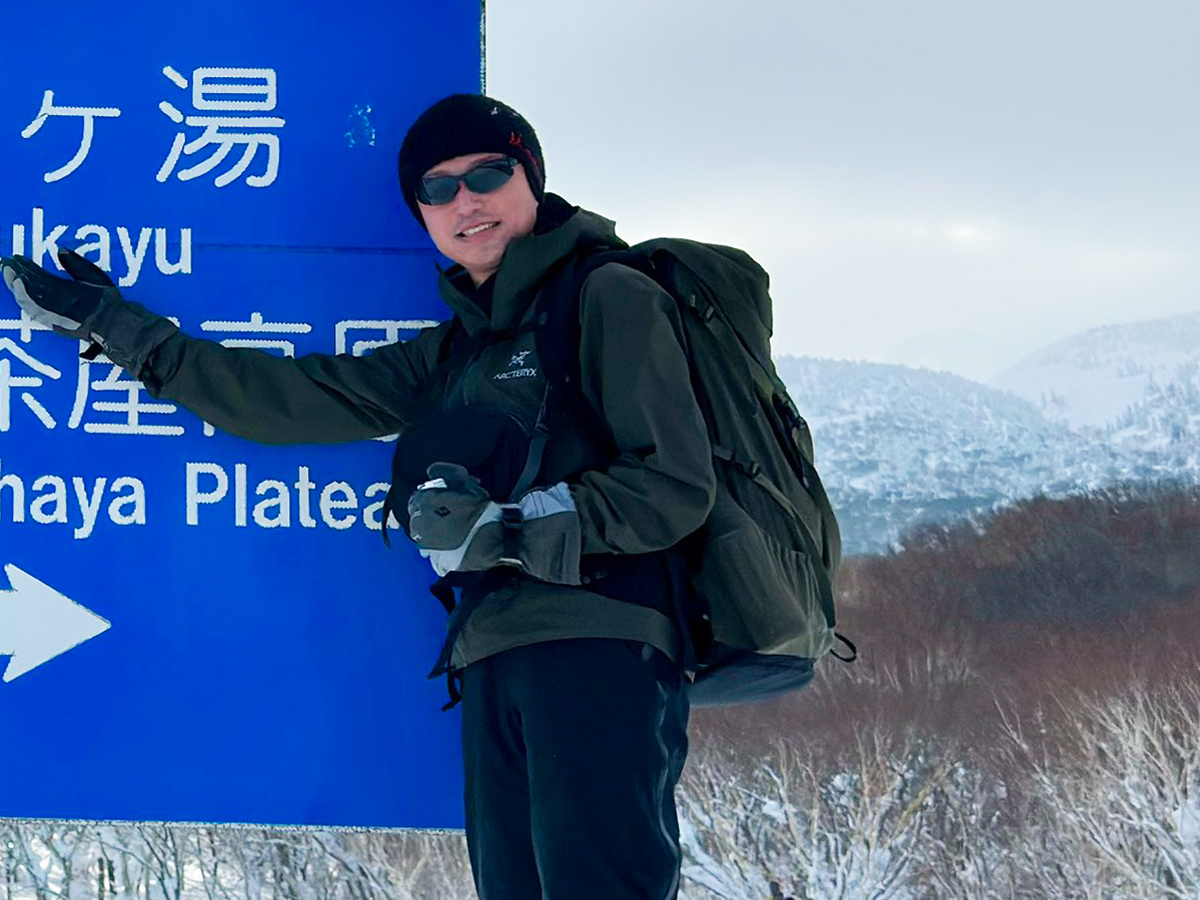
column 561, row 230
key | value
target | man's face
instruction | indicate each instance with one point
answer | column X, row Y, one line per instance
column 507, row 213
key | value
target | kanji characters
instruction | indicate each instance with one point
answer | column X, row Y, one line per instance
column 132, row 406
column 214, row 89
column 8, row 381
column 387, row 331
column 236, row 94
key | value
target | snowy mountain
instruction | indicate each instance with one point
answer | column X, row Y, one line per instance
column 1165, row 422
column 1089, row 380
column 898, row 447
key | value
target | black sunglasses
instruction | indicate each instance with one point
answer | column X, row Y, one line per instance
column 436, row 190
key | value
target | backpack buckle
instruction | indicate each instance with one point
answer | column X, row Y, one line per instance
column 512, row 521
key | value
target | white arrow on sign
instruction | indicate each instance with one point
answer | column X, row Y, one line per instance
column 37, row 623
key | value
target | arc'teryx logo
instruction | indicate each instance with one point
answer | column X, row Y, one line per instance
column 518, row 359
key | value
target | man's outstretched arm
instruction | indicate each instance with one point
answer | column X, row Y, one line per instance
column 250, row 393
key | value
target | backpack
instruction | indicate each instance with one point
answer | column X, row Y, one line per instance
column 763, row 565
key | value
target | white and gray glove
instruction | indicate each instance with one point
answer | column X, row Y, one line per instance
column 459, row 528
column 87, row 307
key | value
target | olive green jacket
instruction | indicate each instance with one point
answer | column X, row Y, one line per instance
column 657, row 490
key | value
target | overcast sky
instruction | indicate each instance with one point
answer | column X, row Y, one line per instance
column 1017, row 170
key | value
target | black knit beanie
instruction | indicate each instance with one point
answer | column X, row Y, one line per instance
column 462, row 124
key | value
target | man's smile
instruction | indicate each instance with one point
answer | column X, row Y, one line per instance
column 476, row 229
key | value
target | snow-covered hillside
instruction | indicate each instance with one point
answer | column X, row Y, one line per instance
column 898, row 447
column 1090, row 379
column 1165, row 422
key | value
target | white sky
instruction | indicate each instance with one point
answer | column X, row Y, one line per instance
column 1010, row 171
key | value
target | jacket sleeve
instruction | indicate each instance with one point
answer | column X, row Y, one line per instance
column 661, row 485
column 277, row 400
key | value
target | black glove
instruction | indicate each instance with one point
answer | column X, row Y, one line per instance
column 442, row 511
column 64, row 305
column 459, row 528
column 88, row 308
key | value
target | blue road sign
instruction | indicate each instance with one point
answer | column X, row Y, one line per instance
column 199, row 628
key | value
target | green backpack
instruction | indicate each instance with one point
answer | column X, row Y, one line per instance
column 764, row 563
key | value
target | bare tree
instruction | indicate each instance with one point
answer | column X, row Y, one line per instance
column 971, row 826
column 851, row 833
column 140, row 861
column 1121, row 803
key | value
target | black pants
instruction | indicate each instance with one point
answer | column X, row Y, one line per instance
column 572, row 750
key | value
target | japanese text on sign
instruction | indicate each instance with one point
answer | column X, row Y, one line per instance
column 235, row 93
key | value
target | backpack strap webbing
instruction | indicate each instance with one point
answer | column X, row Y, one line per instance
column 461, row 593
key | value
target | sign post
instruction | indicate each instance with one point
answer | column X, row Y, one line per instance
column 199, row 628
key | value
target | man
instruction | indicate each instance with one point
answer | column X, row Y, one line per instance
column 574, row 703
